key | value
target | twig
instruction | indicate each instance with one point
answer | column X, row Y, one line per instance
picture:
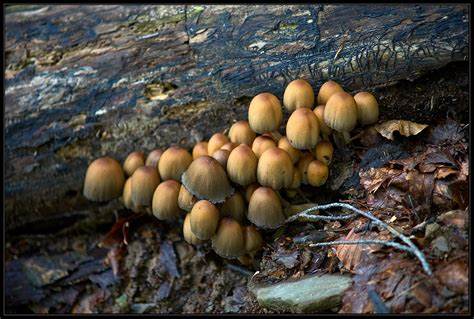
column 363, row 242
column 239, row 269
column 413, row 249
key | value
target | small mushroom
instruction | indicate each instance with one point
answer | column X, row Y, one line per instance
column 144, row 181
column 265, row 113
column 104, row 180
column 189, row 236
column 327, row 90
column 298, row 94
column 234, row 207
column 249, row 191
column 340, row 114
column 253, row 239
column 153, row 158
column 275, row 169
column 229, row 146
column 265, row 210
column 367, row 108
column 261, row 144
column 221, row 156
column 200, row 149
column 323, row 128
column 216, row 142
column 317, row 173
column 204, row 218
column 285, row 145
column 165, row 201
column 173, row 162
column 186, row 200
column 302, row 129
column 127, row 196
column 275, row 135
column 295, row 184
column 324, row 152
column 242, row 165
column 302, row 165
column 228, row 242
column 133, row 161
column 241, row 133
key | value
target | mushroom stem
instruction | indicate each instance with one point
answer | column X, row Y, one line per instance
column 341, row 138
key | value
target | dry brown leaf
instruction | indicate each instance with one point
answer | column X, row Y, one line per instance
column 405, row 128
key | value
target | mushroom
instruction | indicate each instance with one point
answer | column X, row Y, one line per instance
column 216, row 142
column 302, row 165
column 323, row 128
column 186, row 200
column 228, row 242
column 229, row 146
column 221, row 156
column 241, row 133
column 165, row 201
column 127, row 196
column 205, row 178
column 203, row 218
column 174, row 161
column 265, row 210
column 253, row 239
column 340, row 114
column 242, row 165
column 275, row 135
column 295, row 184
column 317, row 173
column 234, row 207
column 324, row 152
column 285, row 145
column 302, row 129
column 265, row 113
column 249, row 191
column 200, row 149
column 153, row 158
column 261, row 144
column 133, row 161
column 275, row 169
column 327, row 90
column 189, row 236
column 298, row 94
column 104, row 180
column 144, row 181
column 367, row 108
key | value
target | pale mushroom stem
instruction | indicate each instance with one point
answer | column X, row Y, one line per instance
column 341, row 139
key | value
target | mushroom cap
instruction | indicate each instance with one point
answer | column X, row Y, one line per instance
column 186, row 200
column 173, row 162
column 261, row 144
column 221, row 156
column 327, row 90
column 253, row 239
column 249, row 191
column 242, row 165
column 165, row 201
column 317, row 173
column 189, row 236
column 127, row 196
column 285, row 145
column 216, row 142
column 302, row 165
column 234, row 207
column 265, row 210
column 265, row 113
column 298, row 94
column 133, row 161
column 241, row 133
column 296, row 182
column 144, row 181
column 340, row 112
column 154, row 157
column 104, row 180
column 302, row 129
column 229, row 146
column 206, row 179
column 319, row 112
column 204, row 218
column 228, row 242
column 275, row 135
column 324, row 152
column 367, row 108
column 275, row 169
column 200, row 149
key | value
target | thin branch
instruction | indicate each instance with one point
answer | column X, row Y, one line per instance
column 363, row 242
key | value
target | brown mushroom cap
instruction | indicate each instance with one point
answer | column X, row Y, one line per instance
column 173, row 162
column 317, row 173
column 234, row 207
column 104, row 180
column 204, row 218
column 165, row 201
column 228, row 242
column 261, row 144
column 367, row 108
column 340, row 112
column 324, row 152
column 302, row 129
column 265, row 210
column 249, row 191
column 298, row 93
column 302, row 165
column 206, row 179
column 242, row 165
column 127, row 196
column 275, row 135
column 216, row 142
column 265, row 113
column 285, row 145
column 153, row 158
column 133, row 161
column 275, row 169
column 186, row 200
column 319, row 112
column 145, row 179
column 221, row 156
column 229, row 146
column 188, row 234
column 200, row 149
column 241, row 133
column 327, row 90
column 253, row 239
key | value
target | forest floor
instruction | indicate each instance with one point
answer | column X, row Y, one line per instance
column 418, row 184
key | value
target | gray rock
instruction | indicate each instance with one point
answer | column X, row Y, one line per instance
column 310, row 294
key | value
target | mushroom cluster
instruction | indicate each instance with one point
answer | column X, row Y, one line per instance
column 229, row 187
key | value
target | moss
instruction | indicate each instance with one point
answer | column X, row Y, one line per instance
column 288, row 26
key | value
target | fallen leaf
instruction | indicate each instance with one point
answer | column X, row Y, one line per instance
column 405, row 128
column 454, row 276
